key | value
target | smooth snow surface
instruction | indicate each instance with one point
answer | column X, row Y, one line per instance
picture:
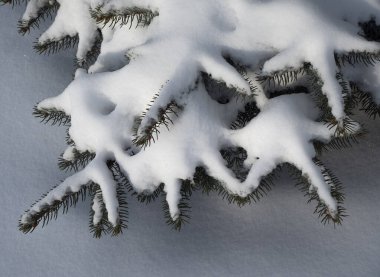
column 277, row 237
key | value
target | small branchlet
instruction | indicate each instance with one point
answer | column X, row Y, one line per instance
column 250, row 111
column 52, row 46
column 122, row 210
column 366, row 102
column 348, row 99
column 315, row 85
column 48, row 11
column 52, row 116
column 208, row 184
column 68, row 139
column 284, row 77
column 355, row 57
column 103, row 226
column 127, row 16
column 343, row 128
column 122, row 180
column 92, row 54
column 220, row 92
column 79, row 160
column 149, row 197
column 337, row 143
column 336, row 190
column 149, row 133
column 50, row 211
column 183, row 206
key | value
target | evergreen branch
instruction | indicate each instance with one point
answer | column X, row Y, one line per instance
column 285, row 76
column 144, row 197
column 336, row 190
column 123, row 17
column 92, row 54
column 79, row 160
column 366, row 101
column 52, row 46
column 348, row 99
column 103, row 225
column 262, row 190
column 344, row 128
column 242, row 70
column 150, row 132
column 338, row 143
column 45, row 12
column 68, row 139
column 315, row 84
column 204, row 182
column 250, row 111
column 183, row 206
column 356, row 57
column 52, row 116
column 50, row 211
column 123, row 212
column 220, row 92
column 149, row 197
column 209, row 184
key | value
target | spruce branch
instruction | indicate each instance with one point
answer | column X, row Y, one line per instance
column 50, row 211
column 92, row 54
column 150, row 131
column 284, row 77
column 48, row 11
column 220, row 92
column 315, row 85
column 183, row 206
column 336, row 190
column 208, row 184
column 337, row 143
column 250, row 111
column 102, row 226
column 355, row 57
column 78, row 161
column 142, row 16
column 366, row 101
column 52, row 46
column 52, row 116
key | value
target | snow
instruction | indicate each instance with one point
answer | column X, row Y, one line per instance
column 278, row 236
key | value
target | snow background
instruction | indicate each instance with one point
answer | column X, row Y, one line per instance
column 277, row 237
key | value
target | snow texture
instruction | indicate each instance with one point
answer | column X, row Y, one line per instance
column 277, row 237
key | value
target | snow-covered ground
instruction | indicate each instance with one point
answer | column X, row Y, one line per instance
column 277, row 237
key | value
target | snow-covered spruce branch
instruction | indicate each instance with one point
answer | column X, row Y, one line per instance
column 177, row 96
column 123, row 17
column 38, row 11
